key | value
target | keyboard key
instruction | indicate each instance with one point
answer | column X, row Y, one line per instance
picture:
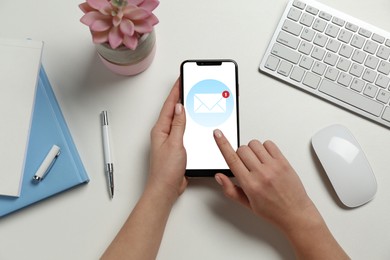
column 311, row 80
column 386, row 114
column 319, row 25
column 306, row 62
column 371, row 62
column 356, row 70
column 346, row 51
column 383, row 52
column 297, row 74
column 292, row 27
column 369, row 75
column 320, row 40
column 352, row 98
column 370, row 47
column 325, row 15
column 365, row 33
column 272, row 63
column 382, row 81
column 312, row 10
column 378, row 38
column 318, row 53
column 307, row 19
column 285, row 53
column 338, row 21
column 332, row 30
column 344, row 79
column 345, row 36
column 352, row 27
column 294, row 14
column 384, row 67
column 285, row 68
column 333, row 45
column 357, row 85
column 331, row 73
column 299, row 4
column 288, row 40
column 357, row 41
column 308, row 34
column 383, row 96
column 319, row 68
column 387, row 43
column 330, row 58
column 370, row 90
column 358, row 56
column 343, row 64
column 305, row 47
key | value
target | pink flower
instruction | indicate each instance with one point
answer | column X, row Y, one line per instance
column 119, row 21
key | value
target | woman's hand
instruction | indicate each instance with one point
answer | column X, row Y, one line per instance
column 168, row 155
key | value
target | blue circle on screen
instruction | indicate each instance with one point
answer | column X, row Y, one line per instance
column 210, row 102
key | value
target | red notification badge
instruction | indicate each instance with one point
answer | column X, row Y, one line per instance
column 225, row 94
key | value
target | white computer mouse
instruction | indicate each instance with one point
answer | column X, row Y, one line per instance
column 345, row 164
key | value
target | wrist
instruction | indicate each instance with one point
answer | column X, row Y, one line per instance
column 302, row 221
column 161, row 191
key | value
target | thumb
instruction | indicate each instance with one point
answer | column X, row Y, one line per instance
column 231, row 190
column 178, row 123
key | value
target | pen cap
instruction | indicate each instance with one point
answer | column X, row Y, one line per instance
column 47, row 163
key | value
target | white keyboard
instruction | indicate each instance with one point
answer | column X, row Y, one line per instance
column 334, row 56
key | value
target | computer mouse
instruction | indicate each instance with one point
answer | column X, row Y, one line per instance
column 345, row 164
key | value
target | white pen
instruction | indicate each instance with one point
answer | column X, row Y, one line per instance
column 107, row 153
column 47, row 163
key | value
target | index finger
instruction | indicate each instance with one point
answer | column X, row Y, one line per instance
column 231, row 157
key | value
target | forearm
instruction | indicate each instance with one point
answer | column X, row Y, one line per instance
column 312, row 239
column 141, row 235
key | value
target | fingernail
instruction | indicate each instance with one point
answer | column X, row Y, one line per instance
column 178, row 109
column 217, row 133
column 219, row 180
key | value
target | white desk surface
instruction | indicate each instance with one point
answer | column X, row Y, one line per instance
column 80, row 224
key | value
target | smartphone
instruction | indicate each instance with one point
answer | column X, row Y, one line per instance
column 210, row 98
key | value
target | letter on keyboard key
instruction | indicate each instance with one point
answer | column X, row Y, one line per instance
column 384, row 67
column 352, row 98
column 370, row 90
column 319, row 25
column 383, row 96
column 370, row 47
column 285, row 53
column 311, row 80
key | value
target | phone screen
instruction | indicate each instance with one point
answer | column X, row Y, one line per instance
column 210, row 98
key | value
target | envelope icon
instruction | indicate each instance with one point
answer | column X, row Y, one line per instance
column 209, row 103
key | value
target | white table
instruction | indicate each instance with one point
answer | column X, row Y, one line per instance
column 80, row 224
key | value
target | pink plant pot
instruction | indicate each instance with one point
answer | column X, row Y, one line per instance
column 127, row 62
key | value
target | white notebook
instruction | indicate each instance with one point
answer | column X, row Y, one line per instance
column 19, row 66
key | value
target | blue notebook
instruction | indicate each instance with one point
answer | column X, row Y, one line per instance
column 48, row 127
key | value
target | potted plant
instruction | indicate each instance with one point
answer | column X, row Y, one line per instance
column 123, row 31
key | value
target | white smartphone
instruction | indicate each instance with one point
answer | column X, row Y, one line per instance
column 210, row 98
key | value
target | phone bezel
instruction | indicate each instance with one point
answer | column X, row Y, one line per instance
column 212, row 62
